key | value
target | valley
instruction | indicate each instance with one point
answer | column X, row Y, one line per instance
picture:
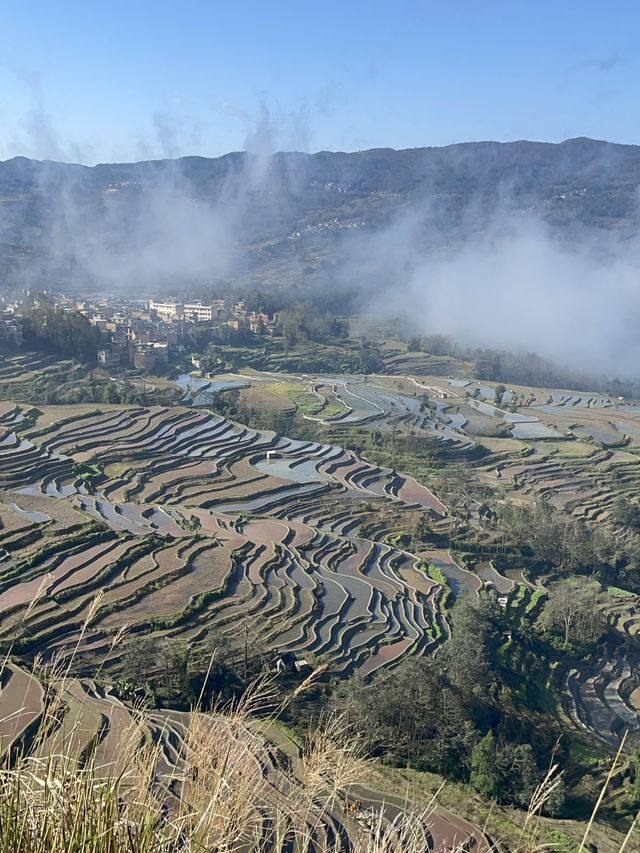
column 315, row 552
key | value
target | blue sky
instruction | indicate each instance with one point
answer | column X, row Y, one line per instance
column 114, row 81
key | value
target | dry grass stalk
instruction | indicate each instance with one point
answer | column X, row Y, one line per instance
column 629, row 834
column 602, row 792
column 222, row 793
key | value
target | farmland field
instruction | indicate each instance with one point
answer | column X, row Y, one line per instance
column 147, row 476
column 343, row 546
column 185, row 526
column 195, row 523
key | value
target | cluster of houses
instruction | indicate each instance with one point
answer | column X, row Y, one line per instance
column 217, row 312
column 143, row 335
column 10, row 328
column 10, row 322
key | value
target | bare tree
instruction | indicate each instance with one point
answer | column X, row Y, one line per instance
column 572, row 609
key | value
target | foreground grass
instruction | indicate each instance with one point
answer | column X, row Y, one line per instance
column 218, row 797
column 508, row 828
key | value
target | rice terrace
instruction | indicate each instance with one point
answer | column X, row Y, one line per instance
column 160, row 552
column 319, row 428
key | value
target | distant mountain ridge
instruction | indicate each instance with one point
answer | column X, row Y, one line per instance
column 292, row 217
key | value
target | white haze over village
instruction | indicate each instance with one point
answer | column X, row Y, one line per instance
column 512, row 284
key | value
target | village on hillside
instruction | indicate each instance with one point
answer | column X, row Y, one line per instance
column 143, row 333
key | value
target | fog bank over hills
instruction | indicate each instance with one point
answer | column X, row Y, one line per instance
column 523, row 245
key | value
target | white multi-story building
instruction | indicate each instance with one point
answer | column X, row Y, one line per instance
column 170, row 308
column 199, row 313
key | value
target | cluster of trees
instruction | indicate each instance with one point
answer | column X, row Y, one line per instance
column 555, row 538
column 522, row 368
column 179, row 674
column 200, row 337
column 526, row 369
column 432, row 344
column 313, row 358
column 459, row 713
column 336, row 357
column 303, row 321
column 231, row 405
column 501, row 366
column 121, row 392
column 508, row 772
column 443, row 713
column 626, row 513
column 368, row 357
column 81, row 385
column 67, row 333
column 552, row 539
column 532, row 369
column 572, row 610
column 227, row 403
column 414, row 715
column 262, row 302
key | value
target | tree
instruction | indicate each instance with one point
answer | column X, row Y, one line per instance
column 572, row 610
column 633, row 795
column 438, row 345
column 68, row 333
column 110, row 393
column 518, row 772
column 484, row 774
column 302, row 321
column 176, row 658
column 140, row 659
column 466, row 654
column 556, row 799
column 589, row 788
column 420, row 530
column 626, row 513
column 498, row 394
column 412, row 712
column 369, row 360
column 555, row 538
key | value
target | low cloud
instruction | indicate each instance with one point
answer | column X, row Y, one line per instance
column 490, row 272
column 517, row 287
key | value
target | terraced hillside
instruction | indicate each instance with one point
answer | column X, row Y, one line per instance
column 270, row 791
column 188, row 527
column 133, row 535
column 577, row 451
column 603, row 697
column 185, row 524
column 390, row 404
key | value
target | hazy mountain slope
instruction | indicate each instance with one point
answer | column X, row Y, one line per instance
column 293, row 216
